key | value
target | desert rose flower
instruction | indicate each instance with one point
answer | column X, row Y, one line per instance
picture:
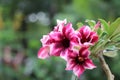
column 64, row 40
column 59, row 41
column 86, row 36
column 79, row 61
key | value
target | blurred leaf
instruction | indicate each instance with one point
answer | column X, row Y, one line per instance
column 79, row 24
column 105, row 25
column 114, row 28
column 116, row 37
column 118, row 45
column 34, row 43
column 103, row 34
column 110, row 53
column 91, row 23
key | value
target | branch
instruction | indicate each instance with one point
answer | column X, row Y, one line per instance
column 105, row 67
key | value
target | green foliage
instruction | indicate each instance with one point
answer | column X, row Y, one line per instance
column 114, row 28
column 105, row 25
column 109, row 37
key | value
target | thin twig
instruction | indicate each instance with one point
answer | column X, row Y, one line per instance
column 105, row 67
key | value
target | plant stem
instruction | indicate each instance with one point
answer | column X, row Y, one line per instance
column 74, row 77
column 105, row 67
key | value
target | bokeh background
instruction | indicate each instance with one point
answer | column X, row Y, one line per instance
column 22, row 24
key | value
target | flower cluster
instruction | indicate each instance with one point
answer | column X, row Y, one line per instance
column 71, row 45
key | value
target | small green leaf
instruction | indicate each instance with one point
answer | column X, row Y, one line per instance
column 116, row 37
column 103, row 34
column 91, row 23
column 114, row 28
column 118, row 45
column 79, row 24
column 105, row 25
column 110, row 53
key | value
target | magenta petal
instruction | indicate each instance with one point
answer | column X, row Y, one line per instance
column 60, row 25
column 43, row 52
column 68, row 30
column 61, row 21
column 89, row 64
column 64, row 54
column 94, row 37
column 84, row 52
column 70, row 64
column 85, row 31
column 72, row 54
column 55, row 49
column 87, row 44
column 78, row 70
column 74, row 40
column 45, row 39
column 57, row 36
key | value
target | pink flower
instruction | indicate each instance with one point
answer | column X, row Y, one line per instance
column 87, row 37
column 79, row 61
column 59, row 41
column 63, row 40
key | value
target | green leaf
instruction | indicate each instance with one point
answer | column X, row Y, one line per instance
column 105, row 25
column 116, row 37
column 79, row 24
column 103, row 34
column 110, row 53
column 91, row 23
column 114, row 28
column 118, row 45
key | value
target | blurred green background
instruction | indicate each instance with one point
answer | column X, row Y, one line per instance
column 22, row 24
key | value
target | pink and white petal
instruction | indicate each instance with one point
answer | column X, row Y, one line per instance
column 74, row 39
column 85, row 31
column 78, row 70
column 84, row 52
column 64, row 54
column 72, row 54
column 94, row 38
column 97, row 25
column 43, row 52
column 44, row 39
column 56, row 36
column 55, row 49
column 89, row 64
column 61, row 21
column 60, row 25
column 87, row 43
column 78, row 34
column 68, row 31
column 70, row 64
